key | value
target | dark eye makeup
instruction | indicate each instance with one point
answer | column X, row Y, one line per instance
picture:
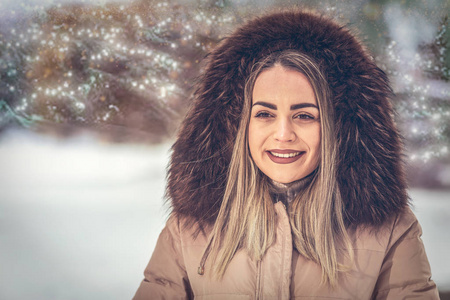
column 263, row 114
column 304, row 116
column 301, row 116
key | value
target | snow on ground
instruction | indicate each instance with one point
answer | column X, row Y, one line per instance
column 79, row 218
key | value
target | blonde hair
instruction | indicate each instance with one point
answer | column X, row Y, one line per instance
column 246, row 218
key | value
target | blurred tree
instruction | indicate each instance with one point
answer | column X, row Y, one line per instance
column 124, row 68
column 127, row 69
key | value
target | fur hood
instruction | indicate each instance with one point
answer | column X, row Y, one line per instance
column 370, row 170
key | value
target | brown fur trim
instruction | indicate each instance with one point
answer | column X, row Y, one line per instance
column 370, row 170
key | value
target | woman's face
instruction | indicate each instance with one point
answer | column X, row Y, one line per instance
column 284, row 129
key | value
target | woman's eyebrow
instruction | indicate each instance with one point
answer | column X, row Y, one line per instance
column 293, row 107
column 303, row 105
column 265, row 104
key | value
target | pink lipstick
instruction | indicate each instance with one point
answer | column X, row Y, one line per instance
column 284, row 156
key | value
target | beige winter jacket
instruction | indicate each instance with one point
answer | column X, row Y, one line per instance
column 390, row 263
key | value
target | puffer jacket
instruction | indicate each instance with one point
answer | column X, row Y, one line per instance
column 390, row 261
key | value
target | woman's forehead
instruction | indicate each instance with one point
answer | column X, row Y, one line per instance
column 282, row 86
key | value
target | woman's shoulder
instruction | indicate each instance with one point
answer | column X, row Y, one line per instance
column 187, row 229
column 405, row 223
column 405, row 269
column 403, row 228
column 398, row 227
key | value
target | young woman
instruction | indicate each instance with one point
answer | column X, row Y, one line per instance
column 286, row 180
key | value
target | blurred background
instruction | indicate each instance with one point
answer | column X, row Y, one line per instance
column 91, row 95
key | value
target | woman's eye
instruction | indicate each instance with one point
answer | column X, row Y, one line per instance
column 305, row 117
column 263, row 115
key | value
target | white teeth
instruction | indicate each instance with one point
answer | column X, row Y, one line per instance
column 287, row 155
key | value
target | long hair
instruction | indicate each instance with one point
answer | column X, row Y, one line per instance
column 246, row 219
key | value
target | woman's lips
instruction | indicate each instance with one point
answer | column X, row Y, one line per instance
column 284, row 156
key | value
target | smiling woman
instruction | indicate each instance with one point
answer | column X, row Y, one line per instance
column 286, row 179
column 284, row 127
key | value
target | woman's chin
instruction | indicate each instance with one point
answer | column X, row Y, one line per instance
column 284, row 179
column 289, row 178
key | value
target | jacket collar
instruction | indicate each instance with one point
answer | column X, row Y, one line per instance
column 286, row 193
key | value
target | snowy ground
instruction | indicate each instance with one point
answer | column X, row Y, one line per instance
column 79, row 218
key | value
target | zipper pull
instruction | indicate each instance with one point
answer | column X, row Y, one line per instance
column 201, row 270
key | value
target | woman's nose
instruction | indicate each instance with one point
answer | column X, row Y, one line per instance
column 284, row 131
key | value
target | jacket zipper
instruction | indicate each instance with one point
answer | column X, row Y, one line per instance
column 259, row 275
column 258, row 280
column 283, row 256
